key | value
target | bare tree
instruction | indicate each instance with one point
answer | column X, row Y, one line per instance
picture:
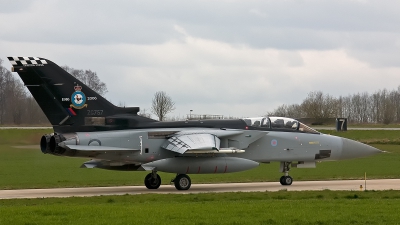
column 360, row 108
column 293, row 111
column 383, row 106
column 3, row 85
column 397, row 103
column 389, row 109
column 280, row 111
column 33, row 114
column 162, row 104
column 16, row 96
column 89, row 78
column 12, row 96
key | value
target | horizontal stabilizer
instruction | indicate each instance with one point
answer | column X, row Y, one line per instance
column 98, row 148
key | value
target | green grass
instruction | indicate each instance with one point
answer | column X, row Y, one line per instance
column 313, row 207
column 369, row 136
column 22, row 136
column 29, row 168
column 359, row 125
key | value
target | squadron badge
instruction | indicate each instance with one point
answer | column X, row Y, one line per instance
column 78, row 98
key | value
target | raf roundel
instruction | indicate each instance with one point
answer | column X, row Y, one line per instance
column 274, row 142
column 78, row 98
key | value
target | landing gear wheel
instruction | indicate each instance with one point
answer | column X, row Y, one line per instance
column 286, row 180
column 281, row 180
column 152, row 181
column 182, row 182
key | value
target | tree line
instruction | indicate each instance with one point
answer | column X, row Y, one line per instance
column 383, row 106
column 17, row 106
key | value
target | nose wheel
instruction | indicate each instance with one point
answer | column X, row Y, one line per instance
column 182, row 182
column 286, row 179
column 152, row 180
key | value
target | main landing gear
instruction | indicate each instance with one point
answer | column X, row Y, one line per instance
column 152, row 180
column 182, row 182
column 286, row 179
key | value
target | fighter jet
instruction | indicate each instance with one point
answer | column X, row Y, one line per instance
column 87, row 125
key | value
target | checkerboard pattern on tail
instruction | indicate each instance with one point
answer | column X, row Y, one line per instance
column 26, row 61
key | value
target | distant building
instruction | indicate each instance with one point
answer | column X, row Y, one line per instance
column 204, row 117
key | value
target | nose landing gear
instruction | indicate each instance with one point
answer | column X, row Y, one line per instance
column 286, row 179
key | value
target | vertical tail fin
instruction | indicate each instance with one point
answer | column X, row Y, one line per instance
column 64, row 99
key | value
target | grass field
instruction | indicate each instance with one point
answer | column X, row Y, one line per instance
column 29, row 168
column 317, row 207
column 391, row 137
column 360, row 125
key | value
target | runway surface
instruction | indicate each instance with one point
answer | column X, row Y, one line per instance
column 348, row 185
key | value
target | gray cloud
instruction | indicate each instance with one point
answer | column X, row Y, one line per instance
column 229, row 57
column 14, row 6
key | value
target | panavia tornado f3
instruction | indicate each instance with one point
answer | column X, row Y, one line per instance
column 115, row 138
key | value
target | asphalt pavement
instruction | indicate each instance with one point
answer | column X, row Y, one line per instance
column 343, row 185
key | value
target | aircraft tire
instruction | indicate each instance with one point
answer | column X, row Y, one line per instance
column 152, row 183
column 182, row 182
column 281, row 180
column 288, row 180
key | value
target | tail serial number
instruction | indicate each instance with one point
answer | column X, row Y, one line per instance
column 94, row 112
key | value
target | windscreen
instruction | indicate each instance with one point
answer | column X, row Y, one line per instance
column 279, row 123
column 283, row 122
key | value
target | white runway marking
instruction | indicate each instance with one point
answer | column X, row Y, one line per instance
column 348, row 185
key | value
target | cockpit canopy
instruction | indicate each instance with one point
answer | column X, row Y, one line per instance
column 279, row 123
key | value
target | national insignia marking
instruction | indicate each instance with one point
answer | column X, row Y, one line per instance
column 274, row 142
column 78, row 98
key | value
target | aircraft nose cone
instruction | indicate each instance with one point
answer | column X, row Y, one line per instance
column 354, row 149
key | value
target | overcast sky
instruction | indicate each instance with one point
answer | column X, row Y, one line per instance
column 237, row 58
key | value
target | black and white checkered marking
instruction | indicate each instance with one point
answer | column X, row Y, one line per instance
column 27, row 61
